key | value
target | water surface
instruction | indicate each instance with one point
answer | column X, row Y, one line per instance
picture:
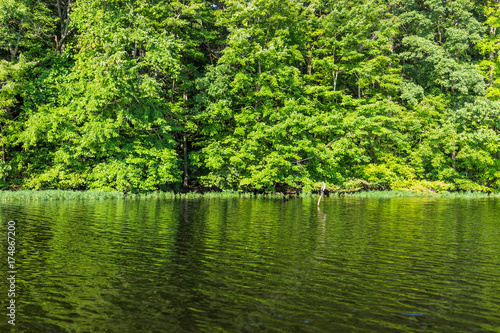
column 255, row 265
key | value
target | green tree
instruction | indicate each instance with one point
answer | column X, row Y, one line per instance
column 281, row 105
column 437, row 47
column 202, row 45
column 107, row 126
column 258, row 127
column 489, row 47
column 25, row 30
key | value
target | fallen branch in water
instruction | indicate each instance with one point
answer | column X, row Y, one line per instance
column 322, row 191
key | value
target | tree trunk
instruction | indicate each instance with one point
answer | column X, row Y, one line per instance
column 336, row 73
column 309, row 62
column 63, row 10
column 493, row 31
column 257, row 87
column 184, row 146
column 13, row 49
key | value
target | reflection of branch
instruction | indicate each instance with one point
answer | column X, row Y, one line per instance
column 323, row 225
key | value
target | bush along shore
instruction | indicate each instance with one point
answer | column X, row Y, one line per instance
column 28, row 195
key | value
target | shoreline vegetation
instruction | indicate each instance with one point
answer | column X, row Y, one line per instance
column 49, row 195
column 251, row 96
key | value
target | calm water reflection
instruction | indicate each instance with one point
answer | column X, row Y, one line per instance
column 255, row 265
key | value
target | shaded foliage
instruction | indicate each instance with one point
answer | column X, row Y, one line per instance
column 249, row 94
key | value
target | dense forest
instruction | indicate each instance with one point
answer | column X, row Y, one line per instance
column 250, row 95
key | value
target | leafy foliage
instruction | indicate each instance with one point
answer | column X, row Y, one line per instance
column 249, row 94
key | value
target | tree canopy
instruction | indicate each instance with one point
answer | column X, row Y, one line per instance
column 249, row 95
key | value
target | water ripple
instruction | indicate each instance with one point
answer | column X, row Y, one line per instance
column 244, row 265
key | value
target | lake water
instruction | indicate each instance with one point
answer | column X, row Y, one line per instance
column 254, row 265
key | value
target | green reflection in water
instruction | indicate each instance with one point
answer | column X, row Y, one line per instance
column 256, row 265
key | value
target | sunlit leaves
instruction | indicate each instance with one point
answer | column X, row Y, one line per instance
column 109, row 123
column 250, row 94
